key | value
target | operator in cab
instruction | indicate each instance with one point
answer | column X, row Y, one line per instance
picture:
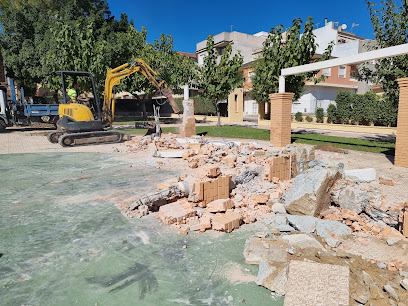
column 73, row 95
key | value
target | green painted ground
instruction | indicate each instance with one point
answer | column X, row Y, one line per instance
column 62, row 242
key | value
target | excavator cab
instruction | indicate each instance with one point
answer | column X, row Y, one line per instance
column 75, row 117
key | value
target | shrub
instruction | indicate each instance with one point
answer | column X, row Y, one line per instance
column 344, row 102
column 202, row 106
column 299, row 116
column 319, row 115
column 331, row 113
column 309, row 119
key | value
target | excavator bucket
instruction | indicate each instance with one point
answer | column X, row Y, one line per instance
column 169, row 95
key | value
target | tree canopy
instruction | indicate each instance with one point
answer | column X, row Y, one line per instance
column 218, row 79
column 284, row 49
column 390, row 22
column 40, row 37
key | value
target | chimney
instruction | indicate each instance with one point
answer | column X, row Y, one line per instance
column 325, row 21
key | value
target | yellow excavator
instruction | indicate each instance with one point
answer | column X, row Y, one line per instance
column 80, row 124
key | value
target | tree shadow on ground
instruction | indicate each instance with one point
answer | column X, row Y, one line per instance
column 138, row 273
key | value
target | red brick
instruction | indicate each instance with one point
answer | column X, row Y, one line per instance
column 226, row 222
column 220, row 205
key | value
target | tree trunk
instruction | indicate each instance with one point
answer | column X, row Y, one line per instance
column 218, row 115
column 143, row 102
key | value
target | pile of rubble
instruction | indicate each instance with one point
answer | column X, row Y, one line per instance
column 299, row 267
column 235, row 183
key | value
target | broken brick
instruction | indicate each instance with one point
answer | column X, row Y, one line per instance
column 226, row 222
column 176, row 212
column 220, row 205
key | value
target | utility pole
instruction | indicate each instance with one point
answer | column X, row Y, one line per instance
column 231, row 26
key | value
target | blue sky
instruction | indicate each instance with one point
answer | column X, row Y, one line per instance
column 190, row 22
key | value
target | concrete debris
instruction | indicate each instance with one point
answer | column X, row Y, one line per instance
column 305, row 224
column 160, row 197
column 310, row 191
column 332, row 242
column 169, row 154
column 278, row 208
column 404, row 283
column 258, row 249
column 272, row 275
column 311, row 283
column 391, row 292
column 361, row 175
column 351, row 198
column 328, row 228
column 246, row 177
column 392, row 240
column 284, row 228
column 302, row 241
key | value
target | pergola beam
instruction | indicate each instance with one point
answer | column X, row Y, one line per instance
column 348, row 60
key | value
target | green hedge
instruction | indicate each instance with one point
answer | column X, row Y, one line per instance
column 202, row 106
column 365, row 109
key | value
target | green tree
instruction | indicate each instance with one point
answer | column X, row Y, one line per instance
column 344, row 103
column 319, row 115
column 25, row 24
column 331, row 113
column 284, row 49
column 390, row 22
column 218, row 80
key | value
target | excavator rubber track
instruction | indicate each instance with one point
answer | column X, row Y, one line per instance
column 87, row 138
column 54, row 136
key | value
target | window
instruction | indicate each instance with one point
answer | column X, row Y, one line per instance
column 236, row 103
column 201, row 58
column 255, row 108
column 326, row 71
column 250, row 76
column 342, row 72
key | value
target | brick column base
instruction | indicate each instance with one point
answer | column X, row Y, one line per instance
column 281, row 108
column 401, row 146
column 188, row 128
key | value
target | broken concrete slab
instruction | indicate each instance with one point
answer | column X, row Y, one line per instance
column 310, row 191
column 328, row 228
column 302, row 241
column 311, row 283
column 169, row 154
column 284, row 228
column 351, row 198
column 332, row 242
column 404, row 283
column 259, row 249
column 278, row 208
column 361, row 175
column 391, row 292
column 305, row 224
column 273, row 276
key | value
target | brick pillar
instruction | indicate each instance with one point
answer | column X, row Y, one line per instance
column 281, row 106
column 188, row 129
column 401, row 146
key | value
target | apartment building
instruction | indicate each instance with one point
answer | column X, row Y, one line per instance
column 246, row 44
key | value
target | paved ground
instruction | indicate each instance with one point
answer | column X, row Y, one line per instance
column 35, row 141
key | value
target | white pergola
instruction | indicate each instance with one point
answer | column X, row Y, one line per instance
column 347, row 60
column 401, row 147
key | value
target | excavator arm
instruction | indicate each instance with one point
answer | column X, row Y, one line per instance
column 114, row 76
